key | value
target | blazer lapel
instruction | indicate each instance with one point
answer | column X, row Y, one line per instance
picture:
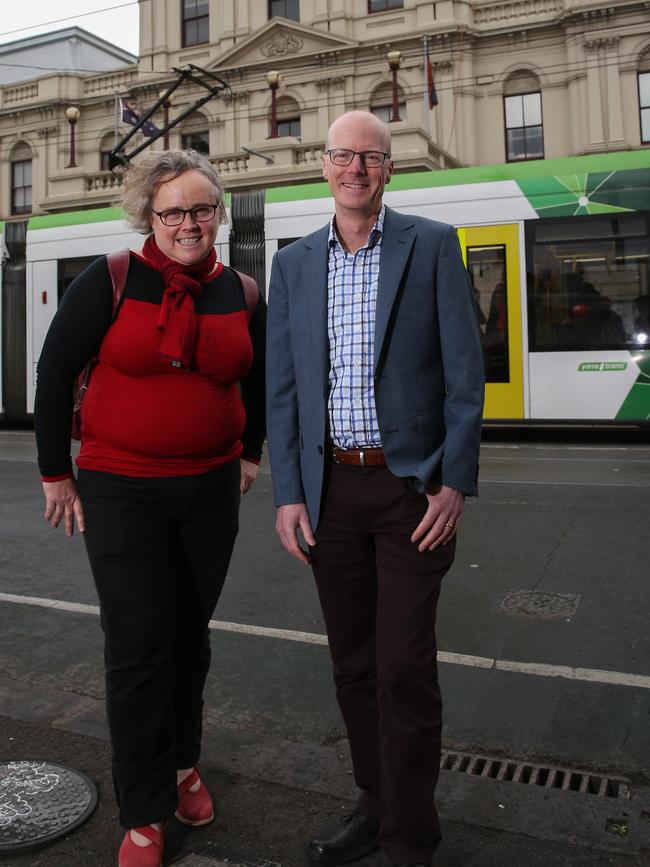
column 314, row 273
column 396, row 243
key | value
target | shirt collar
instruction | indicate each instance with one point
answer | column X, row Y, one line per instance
column 373, row 238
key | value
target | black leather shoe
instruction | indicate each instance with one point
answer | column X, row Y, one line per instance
column 353, row 837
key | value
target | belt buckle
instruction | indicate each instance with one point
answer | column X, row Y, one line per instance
column 362, row 457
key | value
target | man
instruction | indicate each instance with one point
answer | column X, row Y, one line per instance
column 375, row 394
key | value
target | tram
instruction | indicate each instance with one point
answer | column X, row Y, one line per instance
column 558, row 253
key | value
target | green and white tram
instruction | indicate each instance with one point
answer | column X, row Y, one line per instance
column 558, row 252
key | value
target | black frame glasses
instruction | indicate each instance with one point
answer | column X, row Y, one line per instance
column 196, row 213
column 341, row 159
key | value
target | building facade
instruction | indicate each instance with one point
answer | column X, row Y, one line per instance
column 514, row 80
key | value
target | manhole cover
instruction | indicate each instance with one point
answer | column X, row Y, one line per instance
column 534, row 603
column 40, row 802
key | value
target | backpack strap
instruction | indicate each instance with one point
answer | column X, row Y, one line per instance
column 118, row 267
column 251, row 292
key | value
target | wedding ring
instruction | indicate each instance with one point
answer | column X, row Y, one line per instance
column 450, row 525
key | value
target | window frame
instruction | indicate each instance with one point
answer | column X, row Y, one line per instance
column 643, row 108
column 584, row 223
column 289, row 120
column 389, row 6
column 271, row 15
column 506, row 128
column 191, row 134
column 21, row 209
column 388, row 107
column 185, row 21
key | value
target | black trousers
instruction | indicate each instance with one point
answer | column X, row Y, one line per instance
column 379, row 596
column 159, row 550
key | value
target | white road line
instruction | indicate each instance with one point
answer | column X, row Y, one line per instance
column 483, row 481
column 536, row 669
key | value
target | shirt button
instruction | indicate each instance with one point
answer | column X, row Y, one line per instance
column 357, row 328
column 357, row 364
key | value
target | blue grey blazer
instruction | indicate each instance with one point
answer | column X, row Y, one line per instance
column 428, row 365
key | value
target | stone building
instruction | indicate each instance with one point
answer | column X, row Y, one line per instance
column 515, row 80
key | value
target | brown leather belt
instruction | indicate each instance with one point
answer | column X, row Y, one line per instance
column 359, row 457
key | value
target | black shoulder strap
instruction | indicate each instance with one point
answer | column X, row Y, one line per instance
column 251, row 292
column 118, row 267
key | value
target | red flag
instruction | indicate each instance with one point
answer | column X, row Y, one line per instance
column 431, row 88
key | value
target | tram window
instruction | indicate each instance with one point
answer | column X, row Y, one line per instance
column 487, row 271
column 69, row 269
column 588, row 283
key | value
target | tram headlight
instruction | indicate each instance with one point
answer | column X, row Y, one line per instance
column 641, row 337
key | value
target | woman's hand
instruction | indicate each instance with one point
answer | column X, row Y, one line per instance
column 62, row 501
column 249, row 472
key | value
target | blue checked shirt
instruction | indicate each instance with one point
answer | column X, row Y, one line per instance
column 351, row 302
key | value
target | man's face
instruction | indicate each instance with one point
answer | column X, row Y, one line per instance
column 357, row 188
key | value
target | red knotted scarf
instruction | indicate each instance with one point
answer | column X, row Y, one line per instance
column 177, row 318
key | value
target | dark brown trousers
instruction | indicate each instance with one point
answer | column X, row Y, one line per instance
column 379, row 595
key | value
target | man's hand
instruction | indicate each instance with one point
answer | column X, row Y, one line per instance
column 248, row 474
column 288, row 520
column 440, row 520
column 62, row 501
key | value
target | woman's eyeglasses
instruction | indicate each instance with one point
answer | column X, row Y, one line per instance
column 175, row 216
column 370, row 159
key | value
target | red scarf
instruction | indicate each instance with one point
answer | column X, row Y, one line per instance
column 183, row 283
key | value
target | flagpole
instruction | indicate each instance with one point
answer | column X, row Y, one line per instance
column 116, row 112
column 425, row 67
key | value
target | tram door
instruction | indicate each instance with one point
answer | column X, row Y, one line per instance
column 491, row 254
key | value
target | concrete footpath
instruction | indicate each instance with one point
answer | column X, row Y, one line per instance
column 275, row 786
column 544, row 670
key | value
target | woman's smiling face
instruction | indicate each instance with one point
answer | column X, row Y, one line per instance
column 190, row 242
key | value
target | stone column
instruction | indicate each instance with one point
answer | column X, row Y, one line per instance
column 223, row 30
column 576, row 118
column 323, row 87
column 446, row 129
column 337, row 104
column 242, row 16
column 614, row 100
column 596, row 131
column 243, row 133
column 230, row 118
column 338, row 20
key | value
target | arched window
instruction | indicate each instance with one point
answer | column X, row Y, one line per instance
column 644, row 95
column 288, row 112
column 106, row 146
column 21, row 179
column 522, row 107
column 195, row 135
column 381, row 102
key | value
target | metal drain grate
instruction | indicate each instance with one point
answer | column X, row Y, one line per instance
column 545, row 776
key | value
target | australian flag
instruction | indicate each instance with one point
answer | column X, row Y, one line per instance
column 131, row 115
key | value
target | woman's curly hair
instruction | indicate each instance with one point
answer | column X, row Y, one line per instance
column 143, row 179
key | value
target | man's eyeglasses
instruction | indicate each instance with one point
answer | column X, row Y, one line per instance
column 370, row 159
column 199, row 214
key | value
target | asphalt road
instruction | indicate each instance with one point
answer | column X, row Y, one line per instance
column 545, row 655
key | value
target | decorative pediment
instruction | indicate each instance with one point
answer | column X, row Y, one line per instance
column 280, row 39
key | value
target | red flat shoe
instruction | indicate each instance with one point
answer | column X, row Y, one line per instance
column 194, row 808
column 132, row 855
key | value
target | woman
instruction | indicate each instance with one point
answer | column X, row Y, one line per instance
column 172, row 431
